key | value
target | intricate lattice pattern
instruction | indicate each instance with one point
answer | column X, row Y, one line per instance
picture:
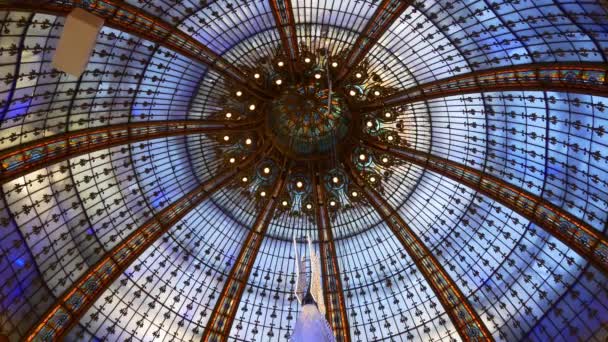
column 516, row 90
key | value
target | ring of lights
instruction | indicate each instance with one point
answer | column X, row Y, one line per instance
column 309, row 122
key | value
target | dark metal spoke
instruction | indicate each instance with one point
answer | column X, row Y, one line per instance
column 573, row 232
column 224, row 313
column 75, row 301
column 333, row 292
column 386, row 14
column 127, row 18
column 28, row 157
column 466, row 320
column 588, row 78
column 282, row 11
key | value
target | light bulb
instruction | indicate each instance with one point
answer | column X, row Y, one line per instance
column 387, row 114
column 376, row 93
column 280, row 63
column 244, row 179
column 266, row 170
column 285, row 203
column 299, row 184
column 226, row 138
column 369, row 124
column 248, row 141
column 362, row 156
column 390, row 138
column 352, row 93
column 332, row 203
column 335, row 179
column 279, row 82
column 372, row 179
column 309, row 206
column 232, row 160
column 385, row 160
column 306, row 60
column 334, row 64
column 239, row 93
column 256, row 76
column 358, row 75
column 251, row 107
column 355, row 194
column 263, row 193
column 318, row 76
column 228, row 115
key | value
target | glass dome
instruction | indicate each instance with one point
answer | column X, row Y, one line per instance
column 454, row 185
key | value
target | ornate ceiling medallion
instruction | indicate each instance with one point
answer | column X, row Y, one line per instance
column 310, row 123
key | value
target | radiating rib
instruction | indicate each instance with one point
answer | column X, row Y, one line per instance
column 127, row 18
column 224, row 312
column 386, row 14
column 466, row 320
column 571, row 231
column 75, row 301
column 282, row 11
column 332, row 284
column 28, row 157
column 588, row 78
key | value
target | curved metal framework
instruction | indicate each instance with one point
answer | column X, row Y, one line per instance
column 588, row 78
column 28, row 157
column 65, row 313
column 220, row 323
column 74, row 303
column 386, row 14
column 333, row 292
column 469, row 325
column 282, row 12
column 574, row 233
column 127, row 18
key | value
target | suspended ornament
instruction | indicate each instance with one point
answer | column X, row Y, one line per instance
column 311, row 325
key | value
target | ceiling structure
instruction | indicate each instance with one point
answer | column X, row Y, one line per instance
column 447, row 158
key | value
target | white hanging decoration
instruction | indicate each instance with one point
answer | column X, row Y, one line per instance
column 311, row 325
column 300, row 290
column 316, row 286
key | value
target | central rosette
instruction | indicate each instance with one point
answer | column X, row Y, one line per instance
column 307, row 122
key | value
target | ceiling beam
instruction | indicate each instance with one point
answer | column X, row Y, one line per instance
column 333, row 292
column 565, row 77
column 385, row 15
column 469, row 325
column 224, row 312
column 28, row 157
column 128, row 18
column 576, row 234
column 72, row 305
column 282, row 11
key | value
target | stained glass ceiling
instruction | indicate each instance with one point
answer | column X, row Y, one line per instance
column 471, row 197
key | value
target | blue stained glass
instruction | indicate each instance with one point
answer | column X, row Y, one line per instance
column 524, row 283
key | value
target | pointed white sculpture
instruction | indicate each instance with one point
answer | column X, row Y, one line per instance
column 316, row 287
column 311, row 325
column 300, row 290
